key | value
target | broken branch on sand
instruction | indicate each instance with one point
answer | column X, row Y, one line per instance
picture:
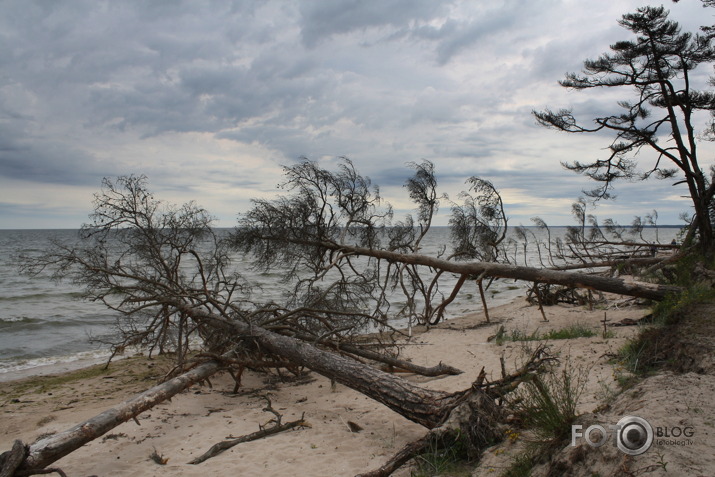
column 276, row 428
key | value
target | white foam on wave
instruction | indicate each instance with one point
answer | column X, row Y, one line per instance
column 12, row 370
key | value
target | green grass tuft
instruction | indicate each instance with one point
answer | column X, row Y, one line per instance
column 445, row 458
column 521, row 465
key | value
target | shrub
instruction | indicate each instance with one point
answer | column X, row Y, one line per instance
column 547, row 403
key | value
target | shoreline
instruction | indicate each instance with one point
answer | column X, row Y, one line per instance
column 55, row 368
column 194, row 420
column 83, row 359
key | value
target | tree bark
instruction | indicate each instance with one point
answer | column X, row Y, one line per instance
column 500, row 270
column 50, row 449
column 12, row 459
column 423, row 406
column 440, row 369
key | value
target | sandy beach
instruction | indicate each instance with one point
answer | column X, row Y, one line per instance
column 185, row 427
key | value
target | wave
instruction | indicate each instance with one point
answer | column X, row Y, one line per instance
column 19, row 297
column 26, row 323
column 19, row 321
column 16, row 368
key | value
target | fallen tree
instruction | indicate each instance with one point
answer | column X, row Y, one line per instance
column 606, row 284
column 318, row 228
column 25, row 460
column 430, row 408
column 168, row 274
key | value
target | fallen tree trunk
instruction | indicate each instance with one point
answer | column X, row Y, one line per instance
column 52, row 448
column 471, row 414
column 423, row 406
column 500, row 270
column 393, row 364
column 427, row 407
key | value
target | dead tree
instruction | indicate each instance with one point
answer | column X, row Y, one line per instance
column 430, row 408
column 579, row 280
column 52, row 448
column 478, row 227
column 318, row 229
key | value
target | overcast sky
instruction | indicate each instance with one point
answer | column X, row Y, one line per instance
column 210, row 98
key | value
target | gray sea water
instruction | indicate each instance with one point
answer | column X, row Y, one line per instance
column 45, row 323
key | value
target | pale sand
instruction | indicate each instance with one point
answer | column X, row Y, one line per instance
column 187, row 426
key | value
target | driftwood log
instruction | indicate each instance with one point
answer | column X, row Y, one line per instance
column 52, row 448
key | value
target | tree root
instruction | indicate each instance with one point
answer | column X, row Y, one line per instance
column 11, row 460
column 477, row 419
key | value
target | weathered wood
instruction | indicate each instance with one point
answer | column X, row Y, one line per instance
column 500, row 270
column 423, row 406
column 219, row 447
column 54, row 447
column 440, row 369
column 278, row 427
column 12, row 459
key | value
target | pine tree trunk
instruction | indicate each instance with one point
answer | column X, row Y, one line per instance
column 423, row 406
column 500, row 270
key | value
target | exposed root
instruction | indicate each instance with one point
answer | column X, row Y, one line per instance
column 477, row 419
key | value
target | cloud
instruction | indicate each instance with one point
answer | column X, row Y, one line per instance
column 210, row 98
column 320, row 21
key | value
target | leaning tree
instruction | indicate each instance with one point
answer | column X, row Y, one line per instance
column 661, row 115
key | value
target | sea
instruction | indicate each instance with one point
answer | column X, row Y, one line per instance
column 46, row 325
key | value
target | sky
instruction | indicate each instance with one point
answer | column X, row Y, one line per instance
column 210, row 99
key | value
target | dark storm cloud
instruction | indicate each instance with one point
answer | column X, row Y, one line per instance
column 321, row 20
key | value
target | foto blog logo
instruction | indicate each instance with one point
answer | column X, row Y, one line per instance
column 633, row 435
